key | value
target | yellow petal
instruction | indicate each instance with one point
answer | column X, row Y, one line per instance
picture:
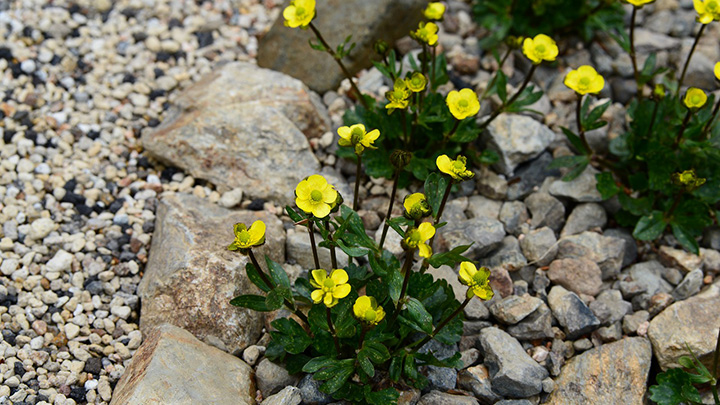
column 303, row 190
column 467, row 270
column 318, row 276
column 341, row 291
column 344, row 133
column 379, row 314
column 717, row 70
column 239, row 227
column 424, row 250
column 444, row 164
column 329, row 195
column 321, row 210
column 371, row 137
column 427, row 231
column 257, row 231
column 361, row 305
column 304, row 204
column 484, row 292
column 597, row 85
column 339, row 276
column 316, row 182
column 316, row 296
column 699, row 6
column 328, row 300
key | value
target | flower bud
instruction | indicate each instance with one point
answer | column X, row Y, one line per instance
column 400, row 158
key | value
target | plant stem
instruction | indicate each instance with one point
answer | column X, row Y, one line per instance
column 358, row 175
column 362, row 336
column 409, row 254
column 687, row 61
column 633, row 57
column 432, row 67
column 423, row 65
column 443, row 202
column 581, row 130
column 442, row 324
column 404, row 127
column 675, row 204
column 272, row 285
column 311, row 231
column 682, row 128
column 494, row 78
column 652, row 119
column 340, row 63
column 333, row 257
column 386, row 225
column 332, row 330
column 511, row 100
column 707, row 127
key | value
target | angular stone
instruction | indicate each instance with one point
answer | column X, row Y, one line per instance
column 575, row 317
column 694, row 322
column 614, row 373
column 537, row 325
column 531, row 174
column 513, row 214
column 191, row 277
column 288, row 396
column 480, row 206
column 286, row 49
column 679, row 258
column 490, row 184
column 516, row 139
column 582, row 188
column 606, row 251
column 609, row 307
column 271, row 377
column 501, row 282
column 546, row 210
column 451, row 277
column 310, row 391
column 486, row 233
column 262, row 150
column 441, row 398
column 632, row 322
column 539, row 246
column 514, row 309
column 513, row 372
column 642, row 281
column 169, row 358
column 477, row 380
column 583, row 218
column 690, row 285
column 631, row 250
column 507, row 255
column 580, row 276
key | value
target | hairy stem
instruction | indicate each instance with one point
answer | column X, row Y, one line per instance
column 358, row 175
column 687, row 61
column 386, row 225
column 311, row 231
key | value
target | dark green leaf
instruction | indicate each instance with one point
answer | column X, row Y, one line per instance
column 450, row 362
column 397, row 224
column 255, row 278
column 294, row 215
column 488, row 157
column 595, row 115
column 674, row 387
column 396, row 366
column 254, row 302
column 376, row 351
column 435, row 186
column 365, row 363
column 388, row 396
column 277, row 273
column 317, row 363
column 450, row 258
column 295, row 363
column 685, row 238
column 341, row 373
column 606, row 185
column 352, row 251
column 290, row 335
column 274, row 299
column 575, row 141
column 576, row 171
column 303, row 288
column 395, row 284
column 650, row 227
column 419, row 315
column 567, row 161
column 501, row 85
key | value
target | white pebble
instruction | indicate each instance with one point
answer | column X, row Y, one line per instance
column 28, row 66
column 60, row 262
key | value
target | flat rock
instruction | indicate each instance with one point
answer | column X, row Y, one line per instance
column 679, row 258
column 537, row 325
column 582, row 188
column 531, row 174
column 606, row 251
column 242, row 127
column 286, row 49
column 694, row 322
column 514, row 215
column 170, row 358
column 583, row 218
column 477, row 380
column 614, row 373
column 191, row 277
column 486, row 233
column 539, row 246
column 513, row 372
column 516, row 139
column 441, row 398
column 508, row 254
column 545, row 210
column 575, row 317
column 580, row 276
column 514, row 308
column 481, row 206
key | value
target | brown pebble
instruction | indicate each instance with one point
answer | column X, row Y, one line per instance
column 40, row 327
column 708, row 279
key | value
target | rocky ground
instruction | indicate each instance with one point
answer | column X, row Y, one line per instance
column 115, row 120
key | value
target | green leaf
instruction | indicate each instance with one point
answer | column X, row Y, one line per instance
column 388, row 396
column 488, row 157
column 686, row 362
column 650, row 227
column 606, row 185
column 435, row 186
column 576, row 171
column 376, row 351
column 567, row 161
column 290, row 335
column 419, row 315
column 352, row 251
column 685, row 238
column 277, row 273
column 450, row 258
column 293, row 214
column 395, row 284
column 501, row 86
column 274, row 300
column 344, row 370
column 398, row 222
column 674, row 387
column 254, row 302
column 255, row 278
column 595, row 115
column 365, row 363
column 317, row 363
column 575, row 141
column 295, row 363
column 303, row 288
column 396, row 366
column 450, row 362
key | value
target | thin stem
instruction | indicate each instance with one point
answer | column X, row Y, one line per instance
column 442, row 324
column 340, row 63
column 443, row 202
column 652, row 119
column 332, row 330
column 494, row 78
column 390, row 207
column 675, row 204
column 581, row 130
column 333, row 257
column 272, row 285
column 707, row 127
column 311, row 231
column 362, row 336
column 409, row 254
column 358, row 175
column 423, row 65
column 682, row 128
column 511, row 100
column 633, row 57
column 687, row 61
column 432, row 67
column 404, row 127
column 452, row 131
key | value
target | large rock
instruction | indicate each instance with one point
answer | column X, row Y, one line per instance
column 614, row 373
column 485, row 234
column 606, row 251
column 693, row 322
column 516, row 139
column 537, row 325
column 191, row 277
column 242, row 127
column 582, row 188
column 580, row 276
column 575, row 317
column 514, row 373
column 477, row 380
column 286, row 49
column 173, row 367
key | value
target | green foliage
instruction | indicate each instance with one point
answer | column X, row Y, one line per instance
column 677, row 385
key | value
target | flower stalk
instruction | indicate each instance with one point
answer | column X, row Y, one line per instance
column 386, row 225
column 406, row 270
column 332, row 330
column 358, row 175
column 708, row 126
column 442, row 324
column 581, row 130
column 272, row 285
column 311, row 232
column 687, row 61
column 511, row 100
column 633, row 56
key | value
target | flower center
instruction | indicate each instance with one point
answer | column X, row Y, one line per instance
column 458, row 166
column 244, row 237
column 712, row 5
column 356, row 135
column 695, row 99
column 329, row 284
column 316, row 196
column 540, row 49
column 414, row 239
column 463, row 103
column 370, row 315
column 585, row 81
column 299, row 11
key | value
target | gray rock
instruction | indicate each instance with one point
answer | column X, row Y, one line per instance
column 513, row 372
column 711, row 238
column 580, row 276
column 614, row 373
column 271, row 378
column 530, row 175
column 480, row 206
column 299, row 251
column 575, row 317
column 486, row 234
column 191, row 277
column 513, row 215
column 582, row 189
column 263, row 151
column 711, row 260
column 583, row 218
column 441, row 378
column 609, row 307
column 490, row 184
column 507, row 255
column 286, row 49
column 455, row 210
column 516, row 139
column 514, row 402
column 514, row 308
column 632, row 322
column 537, row 325
column 441, row 398
column 643, row 280
column 159, row 371
column 477, row 380
column 689, row 286
column 288, row 396
column 546, row 210
column 539, row 246
column 610, row 333
column 679, row 258
column 310, row 391
column 606, row 251
column 631, row 250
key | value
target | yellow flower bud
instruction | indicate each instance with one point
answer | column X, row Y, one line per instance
column 367, row 310
column 246, row 238
column 540, row 48
column 477, row 279
column 434, row 11
column 416, row 206
column 514, row 42
column 695, row 98
column 454, row 168
column 426, row 33
column 639, row 3
column 299, row 13
column 688, row 180
column 585, row 80
column 659, row 91
column 357, row 137
column 316, row 196
column 329, row 289
column 708, row 10
column 463, row 103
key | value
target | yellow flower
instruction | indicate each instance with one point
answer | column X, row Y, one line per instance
column 434, row 11
column 639, row 3
column 708, row 10
column 299, row 13
column 416, row 83
column 426, row 33
column 585, row 80
column 463, row 103
column 398, row 96
column 540, row 48
column 315, row 195
column 695, row 98
column 246, row 238
column 454, row 168
column 356, row 136
column 688, row 180
column 329, row 289
column 717, row 70
column 416, row 238
column 416, row 206
column 476, row 279
column 367, row 310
